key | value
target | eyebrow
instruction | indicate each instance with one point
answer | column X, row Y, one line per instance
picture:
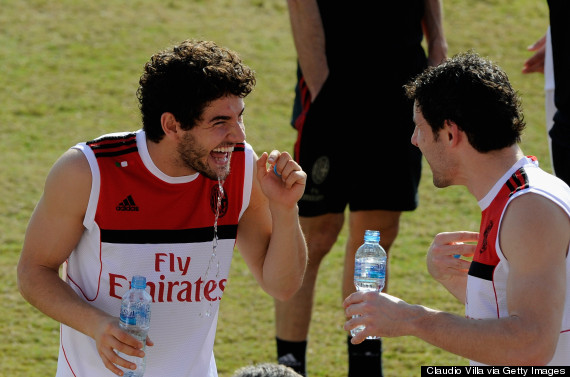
column 224, row 117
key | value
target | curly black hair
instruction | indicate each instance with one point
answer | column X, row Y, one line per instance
column 266, row 370
column 184, row 79
column 475, row 94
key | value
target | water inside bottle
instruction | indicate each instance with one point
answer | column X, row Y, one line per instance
column 140, row 334
column 214, row 260
column 367, row 273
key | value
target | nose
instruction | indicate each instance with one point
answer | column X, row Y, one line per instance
column 237, row 132
column 414, row 139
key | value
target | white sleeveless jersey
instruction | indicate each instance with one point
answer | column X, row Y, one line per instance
column 486, row 295
column 141, row 222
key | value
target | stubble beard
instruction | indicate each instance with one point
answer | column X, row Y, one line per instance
column 193, row 156
column 443, row 177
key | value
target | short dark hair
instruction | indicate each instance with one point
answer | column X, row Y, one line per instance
column 475, row 94
column 184, row 79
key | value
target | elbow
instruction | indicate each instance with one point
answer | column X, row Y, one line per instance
column 540, row 354
column 21, row 273
column 541, row 350
column 535, row 350
column 27, row 278
column 537, row 358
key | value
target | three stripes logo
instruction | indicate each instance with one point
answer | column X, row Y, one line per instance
column 518, row 181
column 127, row 205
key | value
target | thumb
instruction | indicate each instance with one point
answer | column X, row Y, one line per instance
column 262, row 165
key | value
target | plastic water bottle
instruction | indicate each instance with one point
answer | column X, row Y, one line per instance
column 135, row 319
column 369, row 268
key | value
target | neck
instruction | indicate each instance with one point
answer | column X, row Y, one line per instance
column 483, row 170
column 163, row 156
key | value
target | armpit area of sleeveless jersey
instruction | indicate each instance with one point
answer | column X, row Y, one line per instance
column 486, row 295
column 140, row 221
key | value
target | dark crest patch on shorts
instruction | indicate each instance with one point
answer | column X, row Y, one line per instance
column 320, row 170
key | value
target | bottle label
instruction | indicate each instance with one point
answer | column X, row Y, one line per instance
column 369, row 270
column 128, row 315
column 135, row 314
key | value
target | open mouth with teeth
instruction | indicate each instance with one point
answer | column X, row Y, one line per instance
column 221, row 155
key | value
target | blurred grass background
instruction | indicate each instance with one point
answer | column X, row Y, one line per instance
column 69, row 72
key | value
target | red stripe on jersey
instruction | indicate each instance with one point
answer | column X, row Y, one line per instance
column 300, row 121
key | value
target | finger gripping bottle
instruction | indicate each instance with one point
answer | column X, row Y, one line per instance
column 369, row 268
column 135, row 320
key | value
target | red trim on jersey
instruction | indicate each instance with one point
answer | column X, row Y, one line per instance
column 300, row 121
column 63, row 349
column 98, row 282
column 496, row 299
column 485, row 252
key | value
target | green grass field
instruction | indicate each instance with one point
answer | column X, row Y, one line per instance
column 69, row 73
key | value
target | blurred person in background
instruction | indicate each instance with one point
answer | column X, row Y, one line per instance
column 552, row 57
column 352, row 119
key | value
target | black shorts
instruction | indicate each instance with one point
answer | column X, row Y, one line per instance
column 355, row 148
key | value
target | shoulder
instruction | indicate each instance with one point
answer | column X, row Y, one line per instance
column 69, row 180
column 537, row 199
column 535, row 209
column 533, row 221
column 548, row 185
column 72, row 165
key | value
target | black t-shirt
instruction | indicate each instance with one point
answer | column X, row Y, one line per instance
column 358, row 30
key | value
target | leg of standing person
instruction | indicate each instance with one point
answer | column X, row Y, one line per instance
column 294, row 316
column 365, row 359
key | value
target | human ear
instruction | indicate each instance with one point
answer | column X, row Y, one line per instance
column 452, row 132
column 169, row 124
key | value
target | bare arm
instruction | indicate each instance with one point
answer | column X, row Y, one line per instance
column 535, row 291
column 309, row 38
column 269, row 235
column 53, row 232
column 433, row 30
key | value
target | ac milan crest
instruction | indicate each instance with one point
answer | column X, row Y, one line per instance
column 485, row 235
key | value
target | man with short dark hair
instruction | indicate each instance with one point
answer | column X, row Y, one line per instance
column 516, row 288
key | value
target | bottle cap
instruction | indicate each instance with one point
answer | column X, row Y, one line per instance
column 138, row 282
column 372, row 235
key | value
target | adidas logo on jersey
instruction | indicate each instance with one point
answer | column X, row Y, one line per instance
column 127, row 205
